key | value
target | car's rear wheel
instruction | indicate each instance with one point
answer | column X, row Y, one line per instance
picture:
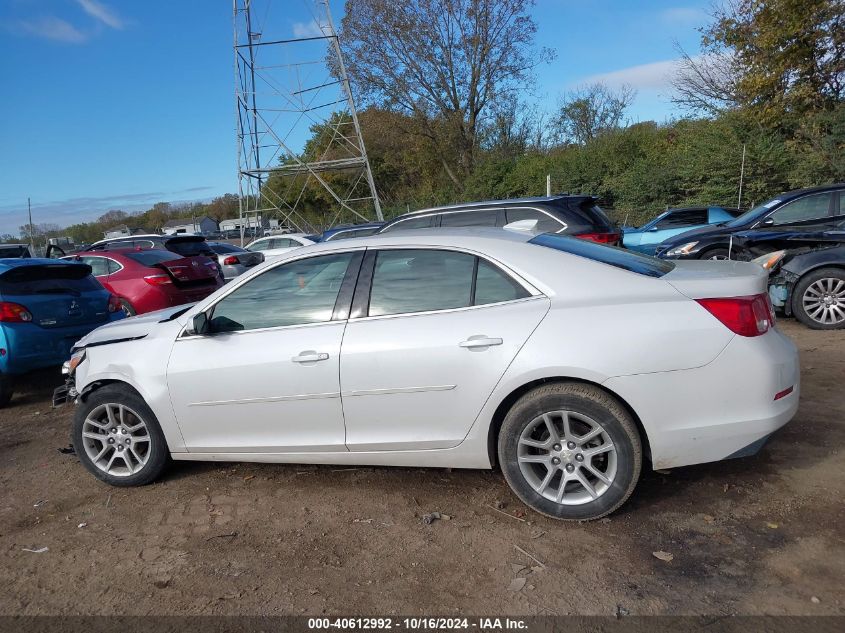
column 716, row 254
column 570, row 451
column 818, row 300
column 118, row 438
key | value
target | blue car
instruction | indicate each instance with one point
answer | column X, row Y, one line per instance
column 351, row 230
column 45, row 307
column 673, row 222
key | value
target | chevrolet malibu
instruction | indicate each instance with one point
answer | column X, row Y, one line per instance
column 567, row 364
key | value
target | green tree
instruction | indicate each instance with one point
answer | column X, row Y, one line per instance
column 442, row 62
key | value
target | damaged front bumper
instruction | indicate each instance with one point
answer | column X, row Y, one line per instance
column 67, row 392
column 780, row 290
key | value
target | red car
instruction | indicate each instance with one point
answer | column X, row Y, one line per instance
column 151, row 279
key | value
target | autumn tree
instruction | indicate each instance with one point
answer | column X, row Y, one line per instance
column 443, row 62
column 778, row 60
column 588, row 111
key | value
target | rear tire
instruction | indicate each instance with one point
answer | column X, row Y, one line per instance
column 585, row 470
column 118, row 438
column 818, row 299
column 7, row 389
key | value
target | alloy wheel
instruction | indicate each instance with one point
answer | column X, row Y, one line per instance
column 824, row 301
column 116, row 439
column 567, row 457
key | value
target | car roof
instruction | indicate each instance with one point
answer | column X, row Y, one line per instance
column 473, row 238
column 788, row 195
column 505, row 202
column 8, row 263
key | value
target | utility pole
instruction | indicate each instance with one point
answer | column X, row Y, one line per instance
column 31, row 238
column 287, row 85
column 741, row 176
column 548, row 185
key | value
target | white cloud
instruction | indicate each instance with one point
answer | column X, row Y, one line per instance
column 102, row 13
column 683, row 16
column 307, row 29
column 50, row 28
column 653, row 76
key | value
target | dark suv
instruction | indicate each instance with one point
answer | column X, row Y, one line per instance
column 579, row 216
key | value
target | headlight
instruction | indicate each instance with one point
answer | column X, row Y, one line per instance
column 770, row 260
column 681, row 250
column 70, row 366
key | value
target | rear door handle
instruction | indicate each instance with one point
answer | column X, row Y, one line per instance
column 479, row 340
column 310, row 356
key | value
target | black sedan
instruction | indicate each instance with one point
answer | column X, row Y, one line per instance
column 816, row 208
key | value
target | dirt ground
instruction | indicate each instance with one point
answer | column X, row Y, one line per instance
column 761, row 535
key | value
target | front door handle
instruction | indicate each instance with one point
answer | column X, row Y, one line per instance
column 310, row 356
column 479, row 340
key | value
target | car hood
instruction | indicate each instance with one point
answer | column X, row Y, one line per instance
column 129, row 329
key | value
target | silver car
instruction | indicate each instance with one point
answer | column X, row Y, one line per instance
column 234, row 260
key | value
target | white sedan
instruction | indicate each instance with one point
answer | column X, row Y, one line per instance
column 566, row 363
column 275, row 245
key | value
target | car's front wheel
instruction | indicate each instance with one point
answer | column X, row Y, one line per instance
column 118, row 438
column 570, row 451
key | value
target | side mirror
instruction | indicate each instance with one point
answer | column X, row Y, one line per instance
column 768, row 222
column 198, row 325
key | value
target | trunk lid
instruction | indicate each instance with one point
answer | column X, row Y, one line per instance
column 191, row 271
column 710, row 279
column 56, row 294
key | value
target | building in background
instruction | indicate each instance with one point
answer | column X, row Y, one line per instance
column 249, row 222
column 189, row 225
column 121, row 230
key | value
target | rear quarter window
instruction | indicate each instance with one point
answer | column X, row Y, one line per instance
column 610, row 255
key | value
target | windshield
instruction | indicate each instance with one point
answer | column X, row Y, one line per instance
column 218, row 247
column 752, row 214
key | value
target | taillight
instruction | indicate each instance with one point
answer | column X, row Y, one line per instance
column 157, row 280
column 231, row 260
column 114, row 304
column 601, row 238
column 14, row 313
column 746, row 316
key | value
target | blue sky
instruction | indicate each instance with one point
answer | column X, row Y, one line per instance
column 111, row 104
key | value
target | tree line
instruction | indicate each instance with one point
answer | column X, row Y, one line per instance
column 449, row 113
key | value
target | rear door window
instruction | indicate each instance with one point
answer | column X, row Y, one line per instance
column 99, row 265
column 545, row 223
column 487, row 217
column 419, row 280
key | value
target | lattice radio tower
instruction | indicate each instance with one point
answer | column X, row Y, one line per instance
column 290, row 79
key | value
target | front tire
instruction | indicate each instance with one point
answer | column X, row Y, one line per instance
column 818, row 300
column 118, row 438
column 715, row 254
column 570, row 451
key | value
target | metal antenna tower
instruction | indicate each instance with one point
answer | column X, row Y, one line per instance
column 290, row 82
